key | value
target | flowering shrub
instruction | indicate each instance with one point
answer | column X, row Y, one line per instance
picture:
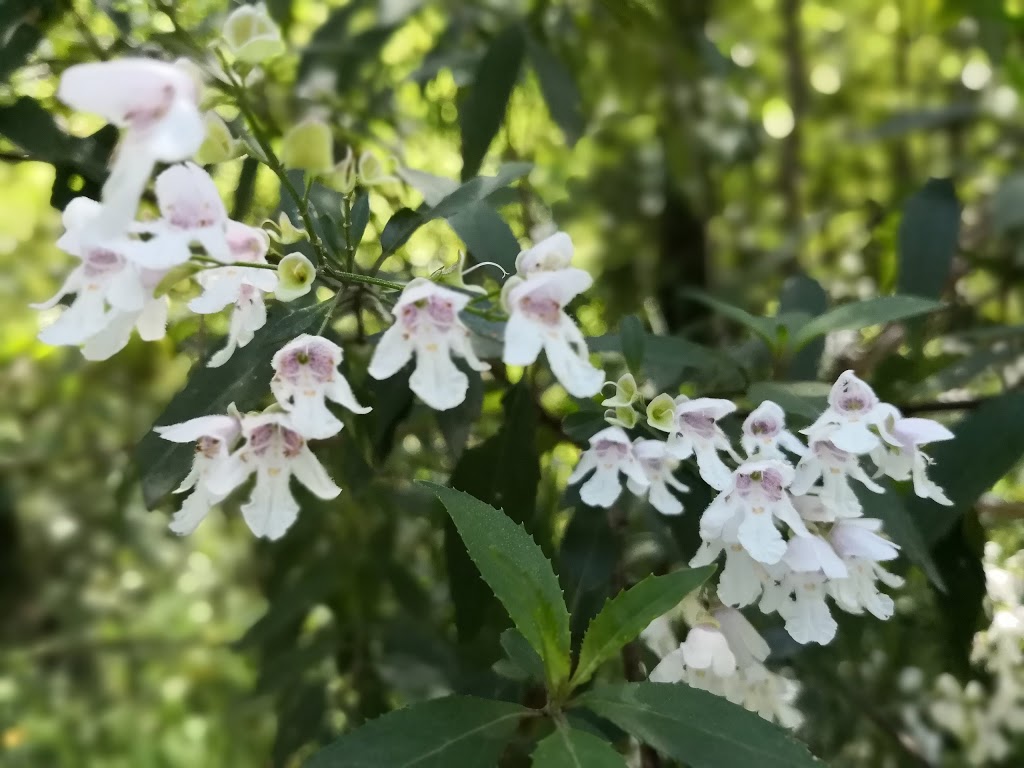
column 797, row 523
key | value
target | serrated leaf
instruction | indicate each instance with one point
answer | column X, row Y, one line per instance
column 988, row 443
column 625, row 616
column 862, row 314
column 243, row 380
column 697, row 728
column 928, row 234
column 560, row 91
column 518, row 573
column 521, row 654
column 572, row 748
column 483, row 111
column 458, row 731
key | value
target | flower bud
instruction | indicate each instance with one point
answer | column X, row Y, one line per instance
column 251, row 35
column 295, row 276
column 286, row 233
column 661, row 413
column 219, row 146
column 626, row 392
column 622, row 416
column 371, row 170
column 308, row 146
column 343, row 177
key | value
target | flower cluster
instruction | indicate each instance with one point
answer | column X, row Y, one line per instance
column 786, row 520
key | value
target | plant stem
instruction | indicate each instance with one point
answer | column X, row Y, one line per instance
column 215, row 263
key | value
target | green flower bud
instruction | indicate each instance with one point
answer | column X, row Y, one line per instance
column 626, row 392
column 287, row 233
column 308, row 146
column 219, row 146
column 343, row 176
column 251, row 35
column 661, row 413
column 295, row 276
column 623, row 416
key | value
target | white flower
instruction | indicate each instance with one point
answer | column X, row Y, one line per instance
column 214, row 436
column 150, row 321
column 693, row 430
column 551, row 254
column 905, row 459
column 242, row 287
column 765, row 433
column 537, row 320
column 705, row 647
column 427, row 325
column 743, row 579
column 157, row 105
column 800, row 599
column 275, row 452
column 658, row 467
column 610, row 453
column 305, row 374
column 771, row 695
column 191, row 211
column 834, row 467
column 746, row 642
column 855, row 420
column 660, row 637
column 859, row 538
column 756, row 495
column 861, row 548
column 812, row 554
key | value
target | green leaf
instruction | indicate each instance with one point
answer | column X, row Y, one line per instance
column 903, row 529
column 559, row 88
column 801, row 398
column 360, row 218
column 805, row 295
column 959, row 555
column 988, row 443
column 587, row 557
column 243, row 380
column 23, row 24
column 632, row 334
column 406, row 221
column 668, row 358
column 765, row 327
column 458, row 731
column 521, row 654
column 928, row 234
column 697, row 728
column 483, row 111
column 625, row 616
column 571, row 748
column 175, row 275
column 518, row 573
column 861, row 314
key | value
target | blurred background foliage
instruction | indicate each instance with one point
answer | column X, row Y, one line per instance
column 767, row 152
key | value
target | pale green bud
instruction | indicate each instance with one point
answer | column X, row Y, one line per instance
column 626, row 392
column 623, row 416
column 284, row 232
column 661, row 413
column 308, row 146
column 371, row 170
column 251, row 35
column 295, row 276
column 219, row 146
column 343, row 176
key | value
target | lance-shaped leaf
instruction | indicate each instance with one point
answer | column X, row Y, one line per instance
column 765, row 327
column 863, row 314
column 518, row 573
column 572, row 748
column 626, row 615
column 928, row 239
column 244, row 380
column 458, row 731
column 559, row 88
column 696, row 727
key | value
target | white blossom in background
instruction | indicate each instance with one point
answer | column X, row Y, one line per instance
column 905, row 460
column 275, row 452
column 191, row 212
column 692, row 427
column 609, row 455
column 765, row 435
column 427, row 326
column 551, row 254
column 305, row 376
column 834, row 467
column 157, row 105
column 657, row 466
column 537, row 321
column 855, row 420
column 756, row 496
column 214, row 437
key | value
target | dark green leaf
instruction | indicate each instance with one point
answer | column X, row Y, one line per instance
column 559, row 88
column 586, row 563
column 625, row 616
column 360, row 218
column 454, row 731
column 697, row 728
column 668, row 358
column 571, row 748
column 862, row 314
column 903, row 529
column 521, row 654
column 243, row 380
column 22, row 25
column 962, row 605
column 801, row 398
column 988, row 443
column 765, row 327
column 928, row 236
column 632, row 334
column 518, row 573
column 483, row 111
column 801, row 293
